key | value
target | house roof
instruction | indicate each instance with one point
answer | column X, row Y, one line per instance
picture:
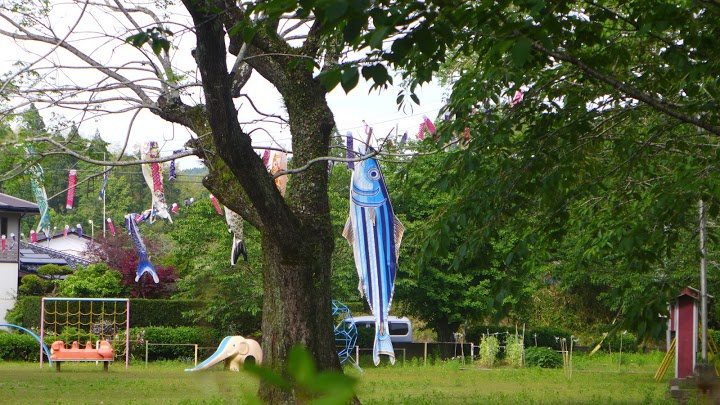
column 13, row 204
column 34, row 255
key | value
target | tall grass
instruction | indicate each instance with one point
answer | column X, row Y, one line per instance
column 602, row 379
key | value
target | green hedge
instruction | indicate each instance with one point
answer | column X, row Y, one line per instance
column 202, row 336
column 142, row 312
column 19, row 346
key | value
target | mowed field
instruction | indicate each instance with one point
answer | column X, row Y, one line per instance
column 600, row 380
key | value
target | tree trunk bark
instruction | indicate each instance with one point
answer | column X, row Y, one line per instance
column 296, row 310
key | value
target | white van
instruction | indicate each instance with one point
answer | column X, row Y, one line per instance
column 400, row 328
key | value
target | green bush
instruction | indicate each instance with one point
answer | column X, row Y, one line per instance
column 202, row 336
column 18, row 346
column 544, row 357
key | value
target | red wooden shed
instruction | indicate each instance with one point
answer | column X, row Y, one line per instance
column 684, row 326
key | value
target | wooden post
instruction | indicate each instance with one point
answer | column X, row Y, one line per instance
column 425, row 355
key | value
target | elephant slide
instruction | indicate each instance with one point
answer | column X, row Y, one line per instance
column 234, row 350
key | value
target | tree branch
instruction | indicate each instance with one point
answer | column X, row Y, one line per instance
column 628, row 89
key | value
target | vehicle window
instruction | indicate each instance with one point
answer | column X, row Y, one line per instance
column 400, row 329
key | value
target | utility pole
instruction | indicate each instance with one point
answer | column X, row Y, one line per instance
column 703, row 285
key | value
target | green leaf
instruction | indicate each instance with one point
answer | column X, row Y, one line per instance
column 267, row 375
column 301, row 365
column 350, row 78
column 521, row 52
column 330, row 78
column 335, row 10
column 415, row 98
column 377, row 36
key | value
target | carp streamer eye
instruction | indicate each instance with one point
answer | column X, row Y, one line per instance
column 374, row 174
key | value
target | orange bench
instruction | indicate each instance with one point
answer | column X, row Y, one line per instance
column 103, row 353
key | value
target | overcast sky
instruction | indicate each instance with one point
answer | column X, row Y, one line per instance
column 378, row 109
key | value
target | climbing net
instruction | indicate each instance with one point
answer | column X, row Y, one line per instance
column 345, row 331
column 87, row 319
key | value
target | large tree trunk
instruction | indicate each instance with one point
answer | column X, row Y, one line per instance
column 296, row 230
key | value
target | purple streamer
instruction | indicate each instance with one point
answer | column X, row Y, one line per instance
column 350, row 151
column 102, row 190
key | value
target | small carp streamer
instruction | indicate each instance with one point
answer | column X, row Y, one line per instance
column 216, row 203
column 153, row 178
column 266, row 157
column 350, row 150
column 144, row 265
column 72, row 179
column 429, row 125
column 278, row 163
column 421, row 131
column 104, row 186
column 37, row 183
column 235, row 227
column 111, row 226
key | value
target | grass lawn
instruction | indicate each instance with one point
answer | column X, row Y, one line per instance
column 601, row 380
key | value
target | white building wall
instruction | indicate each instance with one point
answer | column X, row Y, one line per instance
column 9, row 264
column 8, row 288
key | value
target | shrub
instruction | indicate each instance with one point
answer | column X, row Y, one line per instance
column 18, row 346
column 34, row 285
column 514, row 351
column 544, row 357
column 488, row 350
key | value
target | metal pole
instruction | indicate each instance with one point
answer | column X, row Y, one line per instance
column 104, row 192
column 196, row 350
column 42, row 327
column 703, row 285
column 146, row 353
column 127, row 334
